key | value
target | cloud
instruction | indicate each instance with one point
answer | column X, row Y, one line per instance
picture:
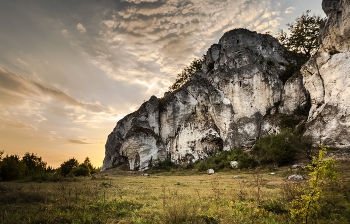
column 266, row 15
column 262, row 26
column 171, row 33
column 81, row 28
column 155, row 41
column 15, row 124
column 75, row 141
column 65, row 32
column 15, row 89
column 289, row 10
column 109, row 23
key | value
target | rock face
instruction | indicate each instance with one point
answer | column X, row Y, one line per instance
column 335, row 32
column 327, row 79
column 223, row 105
column 294, row 95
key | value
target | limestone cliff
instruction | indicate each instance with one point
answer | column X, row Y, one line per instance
column 224, row 105
column 327, row 79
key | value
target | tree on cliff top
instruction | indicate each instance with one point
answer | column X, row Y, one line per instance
column 185, row 75
column 304, row 34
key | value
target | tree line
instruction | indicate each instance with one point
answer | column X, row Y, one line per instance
column 31, row 166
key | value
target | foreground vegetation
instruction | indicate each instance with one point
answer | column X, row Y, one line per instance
column 179, row 196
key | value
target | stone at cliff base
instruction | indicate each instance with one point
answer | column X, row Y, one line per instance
column 296, row 166
column 295, row 177
column 210, row 171
column 234, row 164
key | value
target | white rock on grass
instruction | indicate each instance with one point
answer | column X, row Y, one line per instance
column 296, row 166
column 295, row 177
column 210, row 171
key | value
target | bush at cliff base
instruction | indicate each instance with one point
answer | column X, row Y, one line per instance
column 223, row 160
column 276, row 148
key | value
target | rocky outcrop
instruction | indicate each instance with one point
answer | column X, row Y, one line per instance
column 245, row 80
column 335, row 31
column 327, row 79
column 329, row 6
column 223, row 106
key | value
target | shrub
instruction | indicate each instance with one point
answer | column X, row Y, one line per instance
column 11, row 168
column 33, row 163
column 274, row 205
column 244, row 160
column 81, row 170
column 90, row 166
column 186, row 74
column 165, row 165
column 190, row 166
column 289, row 121
column 201, row 166
column 68, row 166
column 223, row 160
column 321, row 169
column 277, row 148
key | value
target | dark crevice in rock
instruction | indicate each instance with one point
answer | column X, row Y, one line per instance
column 340, row 22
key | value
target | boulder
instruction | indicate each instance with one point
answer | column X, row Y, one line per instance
column 210, row 171
column 295, row 177
column 296, row 166
column 234, row 164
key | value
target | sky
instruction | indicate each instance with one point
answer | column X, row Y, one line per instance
column 69, row 70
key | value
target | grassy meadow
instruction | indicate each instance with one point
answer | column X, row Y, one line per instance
column 177, row 196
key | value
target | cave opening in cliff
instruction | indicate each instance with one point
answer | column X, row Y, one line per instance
column 137, row 162
column 212, row 145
